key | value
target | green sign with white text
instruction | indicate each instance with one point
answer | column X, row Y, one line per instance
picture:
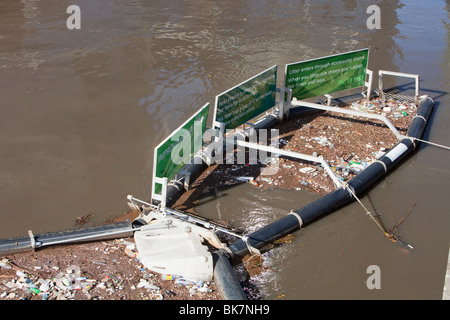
column 179, row 148
column 326, row 75
column 247, row 100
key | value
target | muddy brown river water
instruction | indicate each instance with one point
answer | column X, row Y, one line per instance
column 81, row 111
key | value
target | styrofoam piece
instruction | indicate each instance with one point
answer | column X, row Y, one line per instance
column 175, row 250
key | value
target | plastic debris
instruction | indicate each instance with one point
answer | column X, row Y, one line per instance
column 46, row 282
column 324, row 142
column 250, row 180
column 170, row 276
column 307, row 170
column 169, row 293
column 147, row 285
column 184, row 281
column 4, row 264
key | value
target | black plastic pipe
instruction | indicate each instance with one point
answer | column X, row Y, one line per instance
column 225, row 278
column 175, row 190
column 30, row 242
column 334, row 200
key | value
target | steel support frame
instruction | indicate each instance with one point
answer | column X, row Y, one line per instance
column 338, row 183
column 380, row 117
column 416, row 78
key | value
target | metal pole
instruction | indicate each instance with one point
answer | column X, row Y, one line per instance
column 291, row 154
column 351, row 112
column 188, row 218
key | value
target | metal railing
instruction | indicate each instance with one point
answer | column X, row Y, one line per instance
column 416, row 77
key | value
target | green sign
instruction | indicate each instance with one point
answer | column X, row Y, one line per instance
column 179, row 148
column 246, row 100
column 325, row 75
